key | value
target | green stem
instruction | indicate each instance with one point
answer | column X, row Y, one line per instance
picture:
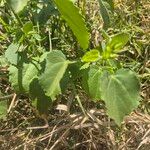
column 83, row 7
column 16, row 16
column 80, row 104
column 78, row 99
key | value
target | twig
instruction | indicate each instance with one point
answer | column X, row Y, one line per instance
column 12, row 102
column 3, row 98
column 80, row 104
column 38, row 127
column 50, row 41
column 78, row 100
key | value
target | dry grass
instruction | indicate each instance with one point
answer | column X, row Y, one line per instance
column 73, row 131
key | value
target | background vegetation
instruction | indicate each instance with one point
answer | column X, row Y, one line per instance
column 38, row 40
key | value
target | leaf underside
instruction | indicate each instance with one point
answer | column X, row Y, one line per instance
column 21, row 76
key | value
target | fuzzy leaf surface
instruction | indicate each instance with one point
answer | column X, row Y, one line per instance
column 120, row 92
column 56, row 65
column 94, row 82
column 11, row 53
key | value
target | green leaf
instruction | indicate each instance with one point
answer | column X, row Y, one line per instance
column 115, row 45
column 94, row 82
column 17, row 5
column 111, row 4
column 65, row 81
column 85, row 66
column 3, row 109
column 11, row 53
column 20, row 77
column 75, row 21
column 56, row 65
column 73, row 1
column 74, row 70
column 3, row 61
column 104, row 13
column 39, row 99
column 120, row 92
column 28, row 26
column 91, row 56
column 46, row 10
column 118, row 41
column 85, row 76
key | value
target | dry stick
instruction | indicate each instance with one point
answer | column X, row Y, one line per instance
column 3, row 69
column 77, row 144
column 12, row 102
column 63, row 135
column 3, row 131
column 50, row 40
column 43, row 137
column 58, row 141
column 3, row 98
column 50, row 138
column 38, row 127
column 54, row 131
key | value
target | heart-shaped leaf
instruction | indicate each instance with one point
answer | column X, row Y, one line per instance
column 56, row 65
column 120, row 92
